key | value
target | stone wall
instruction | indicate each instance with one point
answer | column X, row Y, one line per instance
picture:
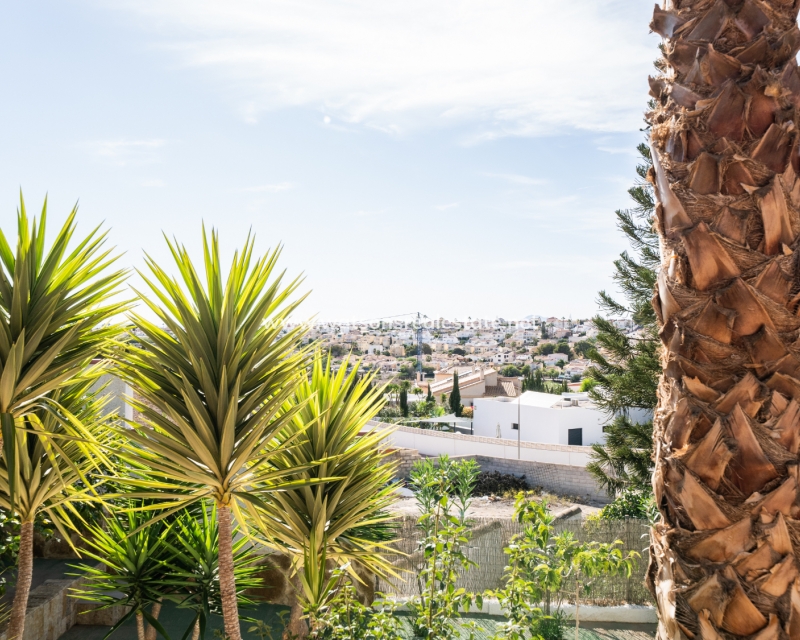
column 561, row 479
column 53, row 610
column 405, row 459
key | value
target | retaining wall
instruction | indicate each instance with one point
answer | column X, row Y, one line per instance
column 559, row 469
column 405, row 459
column 433, row 443
column 561, row 479
column 52, row 610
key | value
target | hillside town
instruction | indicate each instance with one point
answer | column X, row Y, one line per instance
column 556, row 346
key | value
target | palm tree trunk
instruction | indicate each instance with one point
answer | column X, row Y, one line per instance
column 16, row 626
column 296, row 629
column 151, row 630
column 140, row 633
column 727, row 428
column 227, row 581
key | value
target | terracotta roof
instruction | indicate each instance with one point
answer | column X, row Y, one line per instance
column 504, row 389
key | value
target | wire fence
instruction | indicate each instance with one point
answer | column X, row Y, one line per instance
column 491, row 537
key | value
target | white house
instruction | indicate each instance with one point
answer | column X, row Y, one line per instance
column 503, row 356
column 552, row 359
column 570, row 418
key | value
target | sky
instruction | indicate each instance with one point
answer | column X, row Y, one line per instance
column 453, row 158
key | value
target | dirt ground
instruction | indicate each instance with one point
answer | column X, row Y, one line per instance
column 498, row 508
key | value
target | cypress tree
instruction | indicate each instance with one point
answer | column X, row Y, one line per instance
column 429, row 398
column 404, row 402
column 627, row 368
column 455, row 397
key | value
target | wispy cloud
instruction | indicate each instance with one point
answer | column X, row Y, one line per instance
column 617, row 150
column 271, row 188
column 445, row 207
column 123, row 151
column 403, row 64
column 515, row 178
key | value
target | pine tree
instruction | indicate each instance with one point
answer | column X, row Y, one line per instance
column 404, row 402
column 626, row 368
column 455, row 397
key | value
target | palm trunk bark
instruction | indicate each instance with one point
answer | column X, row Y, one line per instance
column 140, row 632
column 16, row 626
column 227, row 581
column 151, row 630
column 296, row 629
column 727, row 428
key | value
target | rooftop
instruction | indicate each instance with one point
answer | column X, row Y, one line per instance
column 549, row 400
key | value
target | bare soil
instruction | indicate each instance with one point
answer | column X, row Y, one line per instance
column 495, row 507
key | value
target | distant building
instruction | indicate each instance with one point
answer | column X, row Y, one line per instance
column 571, row 418
column 397, row 350
column 474, row 381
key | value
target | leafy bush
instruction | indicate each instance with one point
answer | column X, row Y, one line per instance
column 345, row 618
column 510, row 371
column 496, row 483
column 443, row 491
column 539, row 562
column 630, row 504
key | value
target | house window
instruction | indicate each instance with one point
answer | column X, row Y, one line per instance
column 515, row 426
column 575, row 437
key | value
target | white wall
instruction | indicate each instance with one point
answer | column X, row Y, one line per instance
column 434, row 443
column 537, row 424
column 118, row 390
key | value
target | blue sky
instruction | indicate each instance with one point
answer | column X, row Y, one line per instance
column 457, row 158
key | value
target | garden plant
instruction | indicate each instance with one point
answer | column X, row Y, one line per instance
column 213, row 383
column 56, row 311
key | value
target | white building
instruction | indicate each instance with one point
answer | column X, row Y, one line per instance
column 552, row 359
column 503, row 356
column 570, row 418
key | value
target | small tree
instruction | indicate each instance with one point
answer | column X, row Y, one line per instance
column 429, row 397
column 443, row 490
column 594, row 560
column 55, row 317
column 540, row 562
column 404, row 402
column 455, row 397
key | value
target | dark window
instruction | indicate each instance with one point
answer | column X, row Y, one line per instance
column 515, row 426
column 575, row 437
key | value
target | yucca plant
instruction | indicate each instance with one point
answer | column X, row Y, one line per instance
column 133, row 551
column 194, row 566
column 344, row 517
column 54, row 319
column 211, row 386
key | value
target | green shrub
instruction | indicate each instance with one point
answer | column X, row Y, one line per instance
column 630, row 504
column 495, row 483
